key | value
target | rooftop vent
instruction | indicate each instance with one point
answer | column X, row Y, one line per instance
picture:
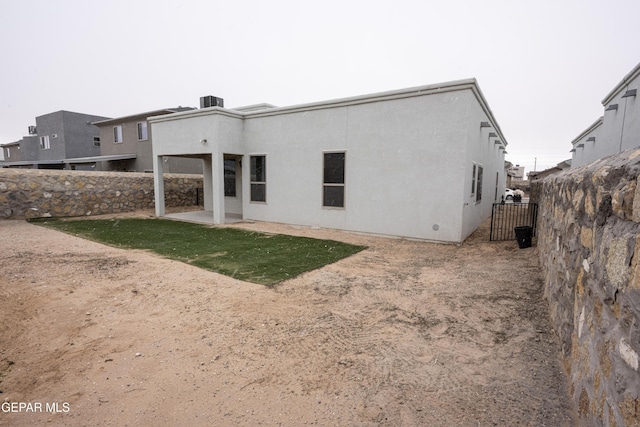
column 211, row 101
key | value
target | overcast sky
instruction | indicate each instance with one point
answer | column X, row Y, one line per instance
column 544, row 66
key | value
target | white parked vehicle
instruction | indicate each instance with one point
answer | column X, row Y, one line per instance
column 508, row 194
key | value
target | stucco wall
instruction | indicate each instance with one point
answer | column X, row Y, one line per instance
column 30, row 193
column 397, row 164
column 589, row 249
column 408, row 159
column 619, row 129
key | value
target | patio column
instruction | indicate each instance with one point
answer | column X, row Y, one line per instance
column 158, row 185
column 207, row 183
column 217, row 187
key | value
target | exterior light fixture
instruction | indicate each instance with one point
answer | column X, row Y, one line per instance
column 630, row 92
column 612, row 107
column 485, row 125
column 591, row 139
column 203, row 141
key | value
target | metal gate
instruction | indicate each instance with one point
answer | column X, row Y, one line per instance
column 505, row 217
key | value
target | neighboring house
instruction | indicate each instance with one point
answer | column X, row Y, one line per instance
column 509, row 177
column 11, row 151
column 424, row 162
column 126, row 143
column 516, row 173
column 617, row 130
column 536, row 176
column 59, row 140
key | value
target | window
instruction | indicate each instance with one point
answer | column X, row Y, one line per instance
column 96, row 141
column 44, row 142
column 230, row 178
column 473, row 180
column 117, row 133
column 142, row 131
column 479, row 184
column 258, row 178
column 333, row 181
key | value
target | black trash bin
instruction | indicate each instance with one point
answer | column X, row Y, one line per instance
column 524, row 234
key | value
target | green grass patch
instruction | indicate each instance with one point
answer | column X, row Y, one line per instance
column 246, row 255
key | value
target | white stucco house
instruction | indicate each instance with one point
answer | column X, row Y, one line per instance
column 617, row 130
column 424, row 162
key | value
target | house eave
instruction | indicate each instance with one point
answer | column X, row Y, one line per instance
column 140, row 116
column 457, row 85
column 588, row 130
column 622, row 85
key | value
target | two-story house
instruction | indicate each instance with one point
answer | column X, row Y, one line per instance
column 59, row 140
column 125, row 145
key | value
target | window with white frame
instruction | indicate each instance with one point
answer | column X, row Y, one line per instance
column 142, row 131
column 44, row 142
column 258, row 172
column 117, row 134
column 333, row 180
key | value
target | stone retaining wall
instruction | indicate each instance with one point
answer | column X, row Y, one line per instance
column 589, row 249
column 29, row 193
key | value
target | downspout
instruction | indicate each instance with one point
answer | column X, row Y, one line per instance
column 624, row 115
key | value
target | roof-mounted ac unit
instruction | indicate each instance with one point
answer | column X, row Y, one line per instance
column 211, row 101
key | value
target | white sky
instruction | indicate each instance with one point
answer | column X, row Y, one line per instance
column 543, row 66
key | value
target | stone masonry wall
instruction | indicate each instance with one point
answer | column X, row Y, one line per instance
column 29, row 193
column 589, row 249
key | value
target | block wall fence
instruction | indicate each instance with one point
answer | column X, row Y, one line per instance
column 589, row 251
column 29, row 193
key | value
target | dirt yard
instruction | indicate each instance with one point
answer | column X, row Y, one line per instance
column 405, row 333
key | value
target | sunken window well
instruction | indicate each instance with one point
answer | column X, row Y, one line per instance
column 258, row 166
column 333, row 180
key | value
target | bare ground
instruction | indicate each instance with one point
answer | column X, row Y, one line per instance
column 405, row 333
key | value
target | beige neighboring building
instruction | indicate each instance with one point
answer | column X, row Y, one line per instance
column 126, row 143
